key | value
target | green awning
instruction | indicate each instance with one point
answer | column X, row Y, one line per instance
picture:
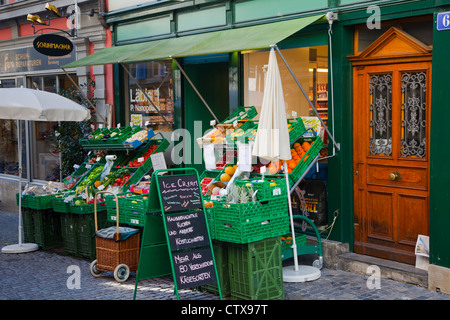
column 246, row 38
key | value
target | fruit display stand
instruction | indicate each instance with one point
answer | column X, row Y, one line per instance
column 252, row 220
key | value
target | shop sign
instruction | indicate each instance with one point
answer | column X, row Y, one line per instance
column 443, row 21
column 28, row 60
column 53, row 45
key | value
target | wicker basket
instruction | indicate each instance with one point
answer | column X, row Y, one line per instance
column 111, row 253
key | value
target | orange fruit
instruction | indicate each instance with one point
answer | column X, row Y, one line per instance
column 225, row 177
column 229, row 170
column 292, row 165
column 306, row 145
column 296, row 145
column 273, row 170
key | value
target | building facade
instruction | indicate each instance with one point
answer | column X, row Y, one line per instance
column 22, row 65
column 375, row 71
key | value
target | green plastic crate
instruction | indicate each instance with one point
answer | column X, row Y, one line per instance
column 256, row 270
column 296, row 128
column 221, row 258
column 257, row 211
column 47, row 228
column 111, row 207
column 266, row 189
column 24, row 200
column 135, row 210
column 241, row 113
column 59, row 204
column 28, row 225
column 246, row 232
column 78, row 233
column 85, row 233
column 40, row 202
column 308, row 157
column 86, row 208
column 69, row 234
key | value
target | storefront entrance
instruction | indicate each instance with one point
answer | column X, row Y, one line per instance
column 211, row 81
column 391, row 130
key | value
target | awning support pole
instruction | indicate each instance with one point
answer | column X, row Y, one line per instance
column 337, row 145
column 84, row 96
column 195, row 89
column 145, row 94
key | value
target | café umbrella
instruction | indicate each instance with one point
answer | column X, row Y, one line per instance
column 34, row 105
column 272, row 143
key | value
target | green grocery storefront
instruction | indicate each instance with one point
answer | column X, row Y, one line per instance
column 382, row 197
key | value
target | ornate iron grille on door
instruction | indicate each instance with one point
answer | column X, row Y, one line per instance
column 380, row 122
column 413, row 111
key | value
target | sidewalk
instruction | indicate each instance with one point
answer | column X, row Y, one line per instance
column 46, row 275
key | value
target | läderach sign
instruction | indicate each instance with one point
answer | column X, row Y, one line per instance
column 28, row 59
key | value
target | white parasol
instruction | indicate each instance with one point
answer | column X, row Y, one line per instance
column 272, row 143
column 28, row 104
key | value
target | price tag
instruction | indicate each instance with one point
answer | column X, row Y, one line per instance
column 208, row 155
column 262, row 169
column 212, row 123
column 276, row 192
column 147, row 177
column 141, row 159
column 98, row 159
column 102, row 187
column 83, row 195
column 245, row 157
column 76, row 166
column 235, row 123
column 118, row 125
column 88, row 166
column 294, row 114
column 158, row 161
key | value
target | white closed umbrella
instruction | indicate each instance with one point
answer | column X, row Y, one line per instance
column 34, row 105
column 272, row 143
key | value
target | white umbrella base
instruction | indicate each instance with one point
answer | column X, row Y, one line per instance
column 20, row 248
column 303, row 274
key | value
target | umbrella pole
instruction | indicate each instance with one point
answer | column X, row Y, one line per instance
column 294, row 245
column 20, row 247
column 297, row 274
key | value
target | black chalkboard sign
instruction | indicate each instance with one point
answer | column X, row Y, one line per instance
column 180, row 193
column 178, row 199
column 187, row 230
column 193, row 268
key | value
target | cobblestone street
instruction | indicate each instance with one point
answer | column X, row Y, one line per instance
column 48, row 275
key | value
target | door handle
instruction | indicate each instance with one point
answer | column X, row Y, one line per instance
column 395, row 176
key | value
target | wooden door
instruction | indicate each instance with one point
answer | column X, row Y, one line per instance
column 391, row 158
column 391, row 130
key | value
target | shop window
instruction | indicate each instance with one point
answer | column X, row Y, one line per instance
column 9, row 161
column 310, row 66
column 45, row 162
column 155, row 80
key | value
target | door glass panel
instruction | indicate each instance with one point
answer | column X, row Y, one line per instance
column 380, row 112
column 413, row 111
